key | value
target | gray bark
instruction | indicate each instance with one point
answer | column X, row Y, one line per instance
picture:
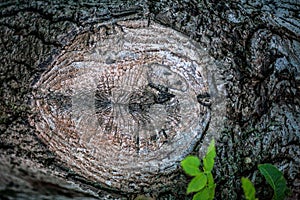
column 256, row 44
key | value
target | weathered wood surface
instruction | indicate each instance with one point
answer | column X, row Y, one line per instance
column 122, row 109
column 256, row 44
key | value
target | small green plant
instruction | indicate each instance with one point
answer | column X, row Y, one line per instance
column 203, row 182
column 274, row 177
column 249, row 189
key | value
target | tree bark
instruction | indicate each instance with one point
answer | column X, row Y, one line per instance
column 257, row 48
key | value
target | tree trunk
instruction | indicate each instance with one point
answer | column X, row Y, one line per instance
column 255, row 88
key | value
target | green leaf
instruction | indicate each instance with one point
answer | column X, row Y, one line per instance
column 211, row 185
column 197, row 183
column 212, row 191
column 275, row 178
column 202, row 195
column 191, row 165
column 208, row 160
column 248, row 188
column 211, row 146
column 210, row 179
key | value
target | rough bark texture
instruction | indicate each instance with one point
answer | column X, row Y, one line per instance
column 258, row 48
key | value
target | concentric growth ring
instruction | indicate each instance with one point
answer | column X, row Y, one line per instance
column 119, row 105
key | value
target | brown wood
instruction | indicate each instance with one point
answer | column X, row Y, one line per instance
column 254, row 90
